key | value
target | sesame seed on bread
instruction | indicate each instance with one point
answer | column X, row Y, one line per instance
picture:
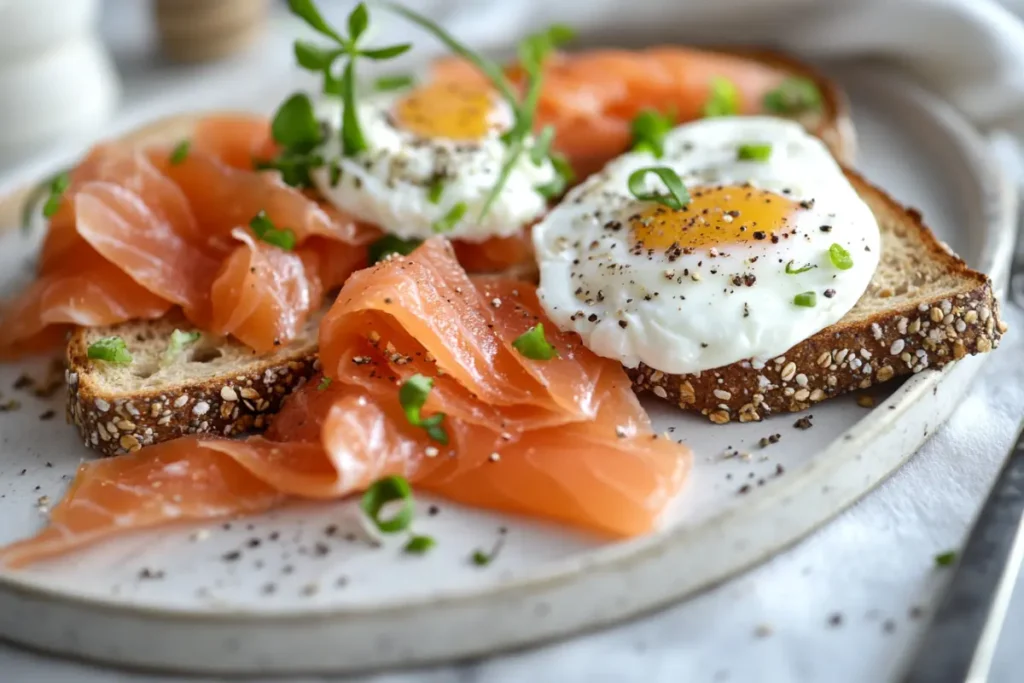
column 214, row 386
column 923, row 308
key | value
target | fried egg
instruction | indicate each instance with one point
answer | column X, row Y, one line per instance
column 433, row 155
column 744, row 271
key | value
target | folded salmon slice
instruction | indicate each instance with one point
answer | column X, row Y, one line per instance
column 563, row 439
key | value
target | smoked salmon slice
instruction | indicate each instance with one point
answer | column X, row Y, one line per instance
column 563, row 439
column 590, row 97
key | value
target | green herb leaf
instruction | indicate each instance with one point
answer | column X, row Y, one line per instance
column 448, row 222
column 265, row 230
column 724, row 99
column 384, row 491
column 325, row 382
column 398, row 82
column 534, row 345
column 489, row 68
column 358, row 20
column 110, row 349
column 754, row 152
column 314, row 57
column 295, row 125
column 306, row 9
column 391, row 244
column 542, row 145
column 386, row 52
column 649, row 129
column 294, row 167
column 678, row 196
column 418, row 545
column 412, row 395
column 839, row 257
column 352, row 140
column 180, row 152
column 945, row 559
column 790, row 270
column 177, row 343
column 436, row 190
column 793, row 96
column 806, row 299
column 57, row 187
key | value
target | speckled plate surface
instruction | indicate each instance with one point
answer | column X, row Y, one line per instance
column 303, row 590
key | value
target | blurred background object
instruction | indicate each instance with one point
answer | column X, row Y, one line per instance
column 57, row 80
column 198, row 30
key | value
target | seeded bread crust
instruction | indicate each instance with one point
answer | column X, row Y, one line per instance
column 233, row 400
column 859, row 351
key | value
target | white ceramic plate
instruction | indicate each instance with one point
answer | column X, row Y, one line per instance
column 301, row 590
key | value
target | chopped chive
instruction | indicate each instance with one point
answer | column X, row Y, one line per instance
column 418, row 545
column 754, row 152
column 266, row 231
column 177, row 343
column 945, row 559
column 482, row 558
column 43, row 189
column 111, row 350
column 511, row 157
column 325, row 382
column 678, row 196
column 806, row 299
column 448, row 222
column 793, row 96
column 334, row 173
column 412, row 395
column 724, row 99
column 839, row 257
column 180, row 152
column 649, row 129
column 391, row 244
column 790, row 270
column 397, row 82
column 57, row 187
column 389, row 490
column 436, row 190
column 534, row 345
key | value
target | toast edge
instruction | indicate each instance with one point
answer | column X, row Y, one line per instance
column 224, row 406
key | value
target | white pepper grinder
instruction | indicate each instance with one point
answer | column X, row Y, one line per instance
column 57, row 81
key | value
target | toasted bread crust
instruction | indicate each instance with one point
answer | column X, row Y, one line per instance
column 847, row 356
column 226, row 406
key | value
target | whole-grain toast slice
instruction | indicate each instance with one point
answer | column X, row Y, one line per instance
column 924, row 308
column 214, row 386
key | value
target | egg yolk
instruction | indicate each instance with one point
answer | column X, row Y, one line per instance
column 446, row 110
column 715, row 216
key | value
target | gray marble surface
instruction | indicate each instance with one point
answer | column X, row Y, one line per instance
column 873, row 566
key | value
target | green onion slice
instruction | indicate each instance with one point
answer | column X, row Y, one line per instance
column 177, row 343
column 266, row 231
column 534, row 345
column 180, row 152
column 945, row 559
column 412, row 395
column 110, row 349
column 418, row 545
column 58, row 185
column 839, row 257
column 384, row 491
column 448, row 222
column 754, row 152
column 678, row 196
column 790, row 270
column 436, row 190
column 724, row 99
column 793, row 96
column 806, row 299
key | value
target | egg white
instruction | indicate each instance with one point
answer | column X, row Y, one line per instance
column 711, row 306
column 389, row 183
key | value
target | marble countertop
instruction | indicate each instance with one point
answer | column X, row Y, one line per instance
column 847, row 604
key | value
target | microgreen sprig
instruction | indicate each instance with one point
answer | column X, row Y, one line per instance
column 320, row 59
